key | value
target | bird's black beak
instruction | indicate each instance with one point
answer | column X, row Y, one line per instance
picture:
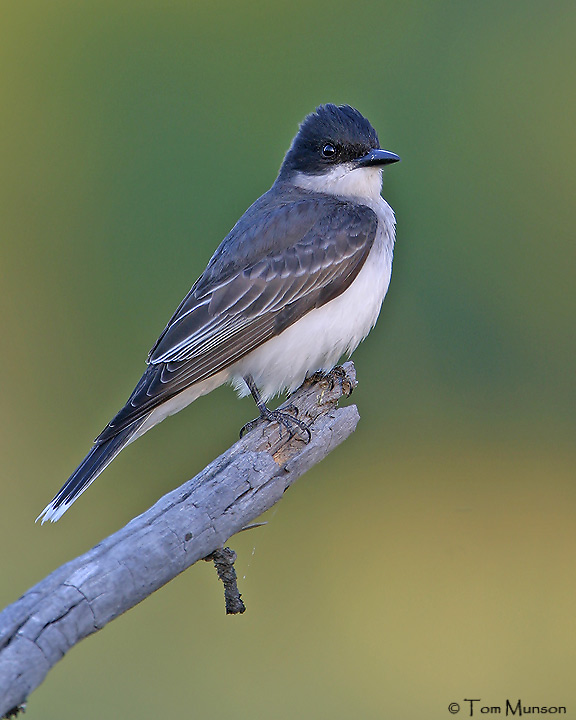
column 377, row 157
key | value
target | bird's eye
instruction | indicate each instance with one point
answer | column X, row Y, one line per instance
column 328, row 151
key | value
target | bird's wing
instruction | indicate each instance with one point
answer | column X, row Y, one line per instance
column 232, row 310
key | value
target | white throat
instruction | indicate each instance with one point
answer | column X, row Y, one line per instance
column 345, row 181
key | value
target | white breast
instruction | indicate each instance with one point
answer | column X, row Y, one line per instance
column 320, row 338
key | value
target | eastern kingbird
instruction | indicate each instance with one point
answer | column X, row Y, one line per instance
column 297, row 283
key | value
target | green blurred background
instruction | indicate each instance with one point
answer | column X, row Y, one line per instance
column 431, row 558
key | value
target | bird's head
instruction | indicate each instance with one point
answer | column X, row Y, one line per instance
column 336, row 150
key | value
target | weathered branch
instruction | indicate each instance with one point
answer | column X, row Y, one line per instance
column 186, row 525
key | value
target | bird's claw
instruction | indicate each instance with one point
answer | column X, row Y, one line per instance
column 285, row 419
column 336, row 375
column 248, row 427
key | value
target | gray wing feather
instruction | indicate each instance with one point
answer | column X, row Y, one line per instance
column 252, row 291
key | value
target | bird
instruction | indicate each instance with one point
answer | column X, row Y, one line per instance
column 296, row 284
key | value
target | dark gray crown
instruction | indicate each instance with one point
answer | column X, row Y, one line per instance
column 341, row 126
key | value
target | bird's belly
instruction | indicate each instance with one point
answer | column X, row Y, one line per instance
column 322, row 336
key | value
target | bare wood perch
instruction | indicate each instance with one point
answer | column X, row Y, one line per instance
column 188, row 524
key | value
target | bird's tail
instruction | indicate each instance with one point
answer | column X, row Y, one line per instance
column 99, row 457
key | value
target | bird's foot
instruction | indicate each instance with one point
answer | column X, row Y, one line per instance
column 336, row 375
column 285, row 419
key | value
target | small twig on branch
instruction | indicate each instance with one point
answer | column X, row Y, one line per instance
column 224, row 563
column 186, row 525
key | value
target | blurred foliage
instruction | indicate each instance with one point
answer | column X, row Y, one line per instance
column 431, row 558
